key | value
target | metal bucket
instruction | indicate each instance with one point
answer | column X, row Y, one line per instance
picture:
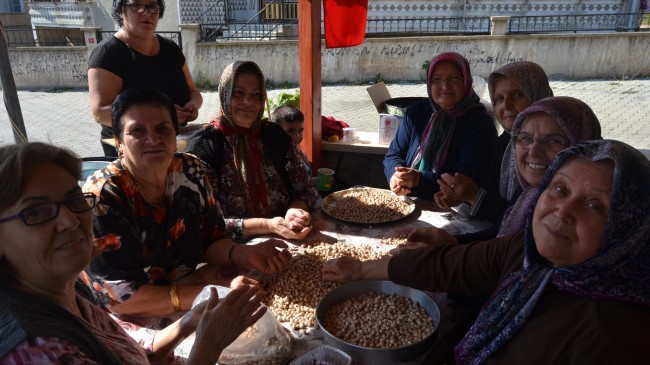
column 397, row 106
column 377, row 356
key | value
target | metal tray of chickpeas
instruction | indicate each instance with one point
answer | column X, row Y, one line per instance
column 363, row 205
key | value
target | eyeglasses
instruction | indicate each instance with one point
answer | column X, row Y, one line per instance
column 454, row 79
column 45, row 212
column 552, row 141
column 142, row 8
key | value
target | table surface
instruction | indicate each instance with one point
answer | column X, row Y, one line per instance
column 365, row 142
column 426, row 214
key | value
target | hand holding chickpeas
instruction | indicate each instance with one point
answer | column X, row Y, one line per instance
column 298, row 219
column 288, row 229
column 265, row 257
column 455, row 190
column 342, row 269
column 404, row 180
column 423, row 238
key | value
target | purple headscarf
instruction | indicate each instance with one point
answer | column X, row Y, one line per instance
column 579, row 124
column 432, row 152
column 619, row 269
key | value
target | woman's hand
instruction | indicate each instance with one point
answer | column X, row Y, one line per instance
column 298, row 219
column 404, row 180
column 342, row 269
column 242, row 280
column 266, row 258
column 423, row 238
column 287, row 229
column 457, row 189
column 222, row 321
column 186, row 113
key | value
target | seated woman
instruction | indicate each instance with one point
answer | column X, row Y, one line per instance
column 539, row 133
column 570, row 289
column 157, row 218
column 47, row 316
column 449, row 133
column 513, row 88
column 260, row 181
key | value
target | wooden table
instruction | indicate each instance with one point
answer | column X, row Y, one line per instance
column 427, row 214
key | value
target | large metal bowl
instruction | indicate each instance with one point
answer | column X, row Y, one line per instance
column 374, row 356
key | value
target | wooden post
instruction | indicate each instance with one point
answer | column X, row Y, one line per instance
column 12, row 104
column 309, row 45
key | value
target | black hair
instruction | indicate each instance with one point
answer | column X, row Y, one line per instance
column 288, row 114
column 139, row 96
column 118, row 8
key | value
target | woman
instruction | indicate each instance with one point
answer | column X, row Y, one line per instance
column 46, row 240
column 260, row 180
column 571, row 289
column 539, row 133
column 513, row 88
column 136, row 57
column 449, row 133
column 157, row 218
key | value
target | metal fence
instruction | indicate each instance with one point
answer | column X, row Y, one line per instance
column 45, row 37
column 174, row 36
column 248, row 31
column 412, row 27
column 578, row 23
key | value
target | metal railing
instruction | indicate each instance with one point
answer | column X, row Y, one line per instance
column 248, row 31
column 412, row 27
column 280, row 10
column 578, row 23
column 174, row 36
column 45, row 37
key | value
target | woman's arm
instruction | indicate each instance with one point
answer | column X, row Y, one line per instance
column 103, row 88
column 190, row 111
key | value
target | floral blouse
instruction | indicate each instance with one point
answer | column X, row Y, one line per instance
column 53, row 350
column 143, row 244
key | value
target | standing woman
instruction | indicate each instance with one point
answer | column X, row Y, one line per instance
column 449, row 133
column 260, row 181
column 136, row 57
column 513, row 88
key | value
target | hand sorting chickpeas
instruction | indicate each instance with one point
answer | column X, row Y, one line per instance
column 366, row 205
column 293, row 294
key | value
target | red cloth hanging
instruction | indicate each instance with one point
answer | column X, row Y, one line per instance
column 345, row 22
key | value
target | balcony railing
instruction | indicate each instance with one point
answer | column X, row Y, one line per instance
column 578, row 23
column 412, row 27
column 280, row 10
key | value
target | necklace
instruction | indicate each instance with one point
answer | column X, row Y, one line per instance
column 143, row 190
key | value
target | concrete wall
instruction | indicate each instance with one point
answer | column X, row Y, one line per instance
column 394, row 59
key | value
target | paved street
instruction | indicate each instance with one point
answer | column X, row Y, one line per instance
column 63, row 118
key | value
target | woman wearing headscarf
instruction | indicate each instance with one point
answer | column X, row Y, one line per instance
column 535, row 143
column 513, row 88
column 449, row 133
column 571, row 288
column 260, row 181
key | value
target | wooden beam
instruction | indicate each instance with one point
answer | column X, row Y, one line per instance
column 309, row 45
column 12, row 104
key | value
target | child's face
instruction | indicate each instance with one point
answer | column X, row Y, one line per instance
column 294, row 130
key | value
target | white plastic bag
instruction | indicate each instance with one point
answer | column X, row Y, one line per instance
column 265, row 342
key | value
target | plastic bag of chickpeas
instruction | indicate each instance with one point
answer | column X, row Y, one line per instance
column 264, row 343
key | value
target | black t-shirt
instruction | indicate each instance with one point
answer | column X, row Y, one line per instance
column 163, row 72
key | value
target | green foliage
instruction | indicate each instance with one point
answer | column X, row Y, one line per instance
column 204, row 84
column 286, row 99
column 425, row 65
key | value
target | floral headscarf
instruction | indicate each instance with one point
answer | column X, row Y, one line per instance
column 432, row 152
column 247, row 148
column 579, row 124
column 619, row 269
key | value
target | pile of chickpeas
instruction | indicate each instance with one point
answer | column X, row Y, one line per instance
column 293, row 294
column 366, row 206
column 378, row 321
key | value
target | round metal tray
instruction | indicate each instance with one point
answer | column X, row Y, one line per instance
column 331, row 200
